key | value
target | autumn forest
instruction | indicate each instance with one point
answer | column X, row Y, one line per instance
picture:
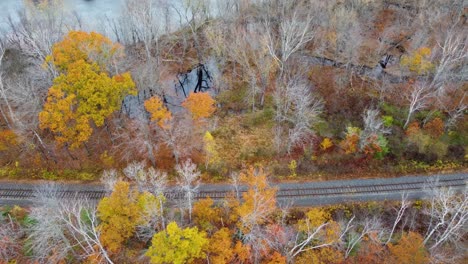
column 172, row 95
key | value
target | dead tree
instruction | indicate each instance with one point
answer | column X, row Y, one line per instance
column 188, row 182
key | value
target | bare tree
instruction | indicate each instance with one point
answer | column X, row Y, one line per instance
column 47, row 236
column 359, row 231
column 451, row 53
column 142, row 22
column 8, row 113
column 302, row 244
column 458, row 112
column 235, row 183
column 404, row 204
column 21, row 100
column 347, row 38
column 136, row 139
column 64, row 226
column 194, row 14
column 188, row 182
column 245, row 44
column 177, row 136
column 109, row 178
column 448, row 215
column 296, row 27
column 449, row 58
column 80, row 220
column 373, row 126
column 147, row 180
column 291, row 242
column 154, row 182
column 151, row 218
column 298, row 108
column 135, row 171
column 418, row 97
column 39, row 29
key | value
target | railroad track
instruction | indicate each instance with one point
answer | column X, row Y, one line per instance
column 11, row 193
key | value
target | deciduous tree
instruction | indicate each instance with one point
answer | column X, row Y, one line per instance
column 206, row 215
column 211, row 153
column 176, row 245
column 258, row 202
column 89, row 47
column 119, row 216
column 158, row 111
column 200, row 105
column 297, row 108
column 188, row 182
column 409, row 250
column 219, row 249
column 84, row 94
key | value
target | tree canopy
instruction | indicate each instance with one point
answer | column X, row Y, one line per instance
column 84, row 94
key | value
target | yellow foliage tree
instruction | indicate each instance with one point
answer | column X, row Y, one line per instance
column 314, row 218
column 409, row 250
column 319, row 223
column 176, row 245
column 149, row 207
column 326, row 144
column 119, row 215
column 200, row 105
column 212, row 156
column 84, row 93
column 158, row 111
column 419, row 62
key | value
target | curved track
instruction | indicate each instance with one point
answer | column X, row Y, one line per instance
column 301, row 194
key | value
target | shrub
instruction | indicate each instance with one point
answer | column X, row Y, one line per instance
column 7, row 139
column 387, row 120
column 326, row 144
column 435, row 128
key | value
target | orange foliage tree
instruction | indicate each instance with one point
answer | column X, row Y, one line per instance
column 409, row 250
column 158, row 111
column 259, row 199
column 200, row 105
column 8, row 138
column 89, row 47
column 435, row 127
column 351, row 143
column 325, row 255
column 219, row 249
